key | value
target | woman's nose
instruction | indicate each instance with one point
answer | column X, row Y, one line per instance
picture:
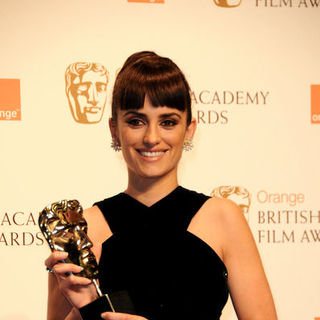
column 151, row 136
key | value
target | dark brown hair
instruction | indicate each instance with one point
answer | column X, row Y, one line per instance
column 146, row 73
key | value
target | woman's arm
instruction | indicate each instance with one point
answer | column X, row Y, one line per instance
column 249, row 288
column 66, row 291
column 58, row 306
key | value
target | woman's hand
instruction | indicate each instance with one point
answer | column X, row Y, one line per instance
column 78, row 290
column 120, row 316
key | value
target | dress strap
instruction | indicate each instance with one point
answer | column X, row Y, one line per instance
column 189, row 203
column 172, row 213
column 112, row 210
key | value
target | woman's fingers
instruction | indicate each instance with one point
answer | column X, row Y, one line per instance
column 74, row 281
column 77, row 289
column 65, row 270
column 120, row 316
column 55, row 257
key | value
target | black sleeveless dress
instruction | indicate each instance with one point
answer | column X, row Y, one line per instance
column 168, row 272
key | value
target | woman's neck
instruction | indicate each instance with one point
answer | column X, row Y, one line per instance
column 150, row 191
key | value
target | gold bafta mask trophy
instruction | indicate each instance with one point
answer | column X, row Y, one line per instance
column 65, row 229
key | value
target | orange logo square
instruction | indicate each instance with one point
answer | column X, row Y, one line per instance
column 315, row 105
column 147, row 1
column 10, row 106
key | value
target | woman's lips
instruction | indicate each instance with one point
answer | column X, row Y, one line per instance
column 151, row 153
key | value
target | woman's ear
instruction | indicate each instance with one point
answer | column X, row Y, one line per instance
column 191, row 129
column 115, row 143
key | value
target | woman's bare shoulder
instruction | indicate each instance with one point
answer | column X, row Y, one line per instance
column 98, row 228
column 220, row 210
column 230, row 218
column 215, row 221
column 225, row 211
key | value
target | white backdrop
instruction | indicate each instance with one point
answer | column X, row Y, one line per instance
column 250, row 68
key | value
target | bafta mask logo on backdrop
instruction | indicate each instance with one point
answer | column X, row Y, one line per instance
column 239, row 195
column 10, row 101
column 228, row 3
column 86, row 89
column 147, row 1
column 315, row 103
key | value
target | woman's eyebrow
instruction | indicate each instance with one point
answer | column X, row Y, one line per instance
column 168, row 115
column 135, row 113
column 144, row 116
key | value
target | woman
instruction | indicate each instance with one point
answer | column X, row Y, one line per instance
column 177, row 253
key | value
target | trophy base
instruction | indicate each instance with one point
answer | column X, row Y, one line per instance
column 121, row 302
column 94, row 309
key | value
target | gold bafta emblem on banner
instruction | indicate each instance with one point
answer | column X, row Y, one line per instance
column 239, row 195
column 86, row 90
column 228, row 3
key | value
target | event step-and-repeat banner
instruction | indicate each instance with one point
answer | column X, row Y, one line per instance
column 254, row 71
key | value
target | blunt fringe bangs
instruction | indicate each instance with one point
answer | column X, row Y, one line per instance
column 146, row 73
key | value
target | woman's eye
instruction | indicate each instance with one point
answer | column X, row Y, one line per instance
column 168, row 123
column 135, row 122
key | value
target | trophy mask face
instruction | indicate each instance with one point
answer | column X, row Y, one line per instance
column 65, row 229
column 68, row 232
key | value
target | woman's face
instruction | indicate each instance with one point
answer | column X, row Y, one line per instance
column 152, row 139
